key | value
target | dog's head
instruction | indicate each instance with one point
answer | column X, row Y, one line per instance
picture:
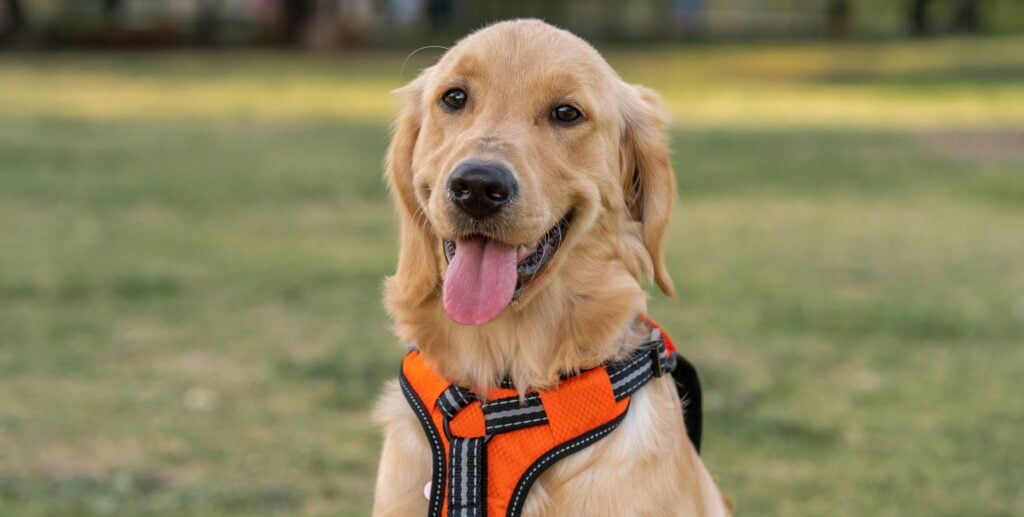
column 521, row 157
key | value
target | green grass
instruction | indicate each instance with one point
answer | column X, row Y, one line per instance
column 191, row 249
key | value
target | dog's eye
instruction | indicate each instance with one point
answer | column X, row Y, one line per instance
column 454, row 99
column 565, row 114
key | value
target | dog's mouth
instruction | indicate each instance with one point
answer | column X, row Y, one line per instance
column 485, row 276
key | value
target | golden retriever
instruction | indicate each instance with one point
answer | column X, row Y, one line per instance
column 534, row 189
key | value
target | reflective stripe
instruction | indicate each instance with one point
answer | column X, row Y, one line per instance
column 467, row 476
column 647, row 361
column 509, row 414
column 453, row 399
column 631, row 376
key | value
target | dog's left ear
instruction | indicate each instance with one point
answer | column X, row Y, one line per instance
column 648, row 180
column 416, row 275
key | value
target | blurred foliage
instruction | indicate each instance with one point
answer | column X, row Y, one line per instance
column 325, row 24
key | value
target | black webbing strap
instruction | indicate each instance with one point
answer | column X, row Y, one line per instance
column 467, row 477
column 467, row 469
column 467, row 459
column 509, row 414
column 453, row 399
column 649, row 360
column 500, row 415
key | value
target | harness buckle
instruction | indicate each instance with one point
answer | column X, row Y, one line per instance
column 662, row 361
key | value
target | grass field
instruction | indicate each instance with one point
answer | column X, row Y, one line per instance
column 192, row 247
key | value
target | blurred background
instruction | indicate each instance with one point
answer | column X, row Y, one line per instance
column 329, row 24
column 194, row 231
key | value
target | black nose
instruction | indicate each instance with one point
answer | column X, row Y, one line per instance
column 481, row 189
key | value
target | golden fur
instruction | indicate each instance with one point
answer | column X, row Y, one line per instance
column 612, row 171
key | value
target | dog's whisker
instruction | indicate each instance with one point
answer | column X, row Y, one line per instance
column 420, row 216
column 414, row 52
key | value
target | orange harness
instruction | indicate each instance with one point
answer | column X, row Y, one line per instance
column 486, row 456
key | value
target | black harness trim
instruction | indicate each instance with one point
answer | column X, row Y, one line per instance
column 515, row 505
column 436, row 449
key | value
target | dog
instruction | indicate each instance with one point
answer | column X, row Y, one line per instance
column 534, row 189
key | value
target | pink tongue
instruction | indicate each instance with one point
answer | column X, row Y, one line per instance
column 480, row 281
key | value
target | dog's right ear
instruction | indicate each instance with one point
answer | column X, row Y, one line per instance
column 416, row 275
column 648, row 180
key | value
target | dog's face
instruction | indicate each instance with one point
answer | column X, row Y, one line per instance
column 521, row 154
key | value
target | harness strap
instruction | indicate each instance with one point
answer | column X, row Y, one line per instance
column 587, row 406
column 467, row 456
column 648, row 361
column 509, row 414
column 501, row 415
column 453, row 399
column 467, row 477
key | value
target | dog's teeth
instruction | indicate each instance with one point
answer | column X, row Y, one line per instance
column 524, row 251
